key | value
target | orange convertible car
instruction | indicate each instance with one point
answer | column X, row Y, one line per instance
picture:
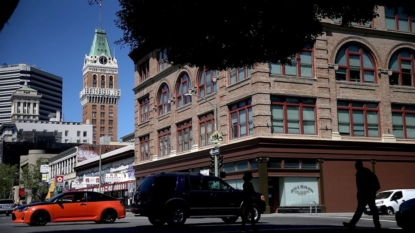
column 71, row 206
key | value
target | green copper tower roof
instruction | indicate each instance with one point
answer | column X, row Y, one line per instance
column 100, row 44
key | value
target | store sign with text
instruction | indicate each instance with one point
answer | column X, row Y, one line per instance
column 78, row 185
column 114, row 177
column 91, row 180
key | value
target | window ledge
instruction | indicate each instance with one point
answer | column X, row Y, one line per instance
column 406, row 140
column 293, row 79
column 184, row 108
column 400, row 32
column 164, row 116
column 143, row 124
column 404, row 89
column 357, row 85
column 238, row 84
column 296, row 136
column 368, row 139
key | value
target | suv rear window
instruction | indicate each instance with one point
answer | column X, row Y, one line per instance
column 146, row 184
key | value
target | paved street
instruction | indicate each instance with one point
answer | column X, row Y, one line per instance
column 269, row 223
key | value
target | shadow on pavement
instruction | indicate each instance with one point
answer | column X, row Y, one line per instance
column 222, row 228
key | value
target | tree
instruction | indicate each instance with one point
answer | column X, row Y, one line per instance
column 229, row 34
column 6, row 11
column 31, row 178
column 8, row 178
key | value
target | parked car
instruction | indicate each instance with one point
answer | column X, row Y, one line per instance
column 406, row 215
column 388, row 201
column 174, row 197
column 69, row 207
column 6, row 206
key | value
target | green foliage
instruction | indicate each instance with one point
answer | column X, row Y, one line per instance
column 31, row 179
column 8, row 178
column 229, row 34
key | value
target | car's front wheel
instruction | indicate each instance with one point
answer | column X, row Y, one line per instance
column 257, row 214
column 39, row 218
column 390, row 211
column 230, row 219
column 176, row 215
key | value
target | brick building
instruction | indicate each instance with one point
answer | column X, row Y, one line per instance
column 298, row 128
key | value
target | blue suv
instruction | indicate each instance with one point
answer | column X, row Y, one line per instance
column 174, row 197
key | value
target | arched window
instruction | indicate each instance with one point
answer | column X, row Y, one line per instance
column 94, row 80
column 163, row 104
column 183, row 85
column 111, row 82
column 102, row 81
column 355, row 65
column 402, row 66
column 207, row 82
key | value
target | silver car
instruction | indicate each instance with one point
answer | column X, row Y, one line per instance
column 6, row 206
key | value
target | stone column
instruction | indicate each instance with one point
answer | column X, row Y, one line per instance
column 322, row 197
column 263, row 179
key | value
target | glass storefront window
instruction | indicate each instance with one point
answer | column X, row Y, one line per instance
column 308, row 164
column 253, row 163
column 228, row 167
column 292, row 163
column 242, row 165
column 298, row 191
column 274, row 163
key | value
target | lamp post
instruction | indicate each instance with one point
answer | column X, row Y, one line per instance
column 215, row 110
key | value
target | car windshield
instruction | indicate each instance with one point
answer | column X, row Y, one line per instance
column 383, row 195
column 146, row 184
column 53, row 199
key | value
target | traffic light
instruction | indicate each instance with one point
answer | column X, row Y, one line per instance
column 220, row 161
column 212, row 162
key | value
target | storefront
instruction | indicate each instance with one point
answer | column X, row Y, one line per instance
column 295, row 174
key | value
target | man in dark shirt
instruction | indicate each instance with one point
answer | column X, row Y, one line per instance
column 247, row 207
column 367, row 185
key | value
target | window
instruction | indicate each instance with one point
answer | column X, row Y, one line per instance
column 144, row 148
column 111, row 108
column 402, row 66
column 301, row 65
column 94, row 121
column 111, row 115
column 293, row 115
column 101, row 135
column 85, row 134
column 144, row 109
column 110, row 129
column 398, row 20
column 102, row 114
column 94, row 128
column 102, row 129
column 367, row 24
column 163, row 104
column 66, row 140
column 94, row 80
column 143, row 70
column 94, row 114
column 355, row 65
column 34, row 108
column 206, row 83
column 162, row 60
column 78, row 140
column 102, row 81
column 78, row 133
column 66, row 133
column 184, row 136
column 358, row 119
column 102, row 107
column 403, row 121
column 164, row 141
column 102, row 122
column 183, row 86
column 241, row 119
column 239, row 74
column 94, row 107
column 110, row 122
column 207, row 127
column 111, row 82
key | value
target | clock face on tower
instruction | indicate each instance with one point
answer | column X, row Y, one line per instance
column 103, row 60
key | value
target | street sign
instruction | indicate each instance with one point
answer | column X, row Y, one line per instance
column 44, row 177
column 44, row 168
column 214, row 151
column 216, row 137
column 59, row 179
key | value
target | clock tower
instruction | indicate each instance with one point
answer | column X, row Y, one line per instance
column 100, row 94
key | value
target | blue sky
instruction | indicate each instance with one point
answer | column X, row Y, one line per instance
column 55, row 35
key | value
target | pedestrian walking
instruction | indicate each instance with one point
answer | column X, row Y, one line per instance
column 247, row 207
column 367, row 185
